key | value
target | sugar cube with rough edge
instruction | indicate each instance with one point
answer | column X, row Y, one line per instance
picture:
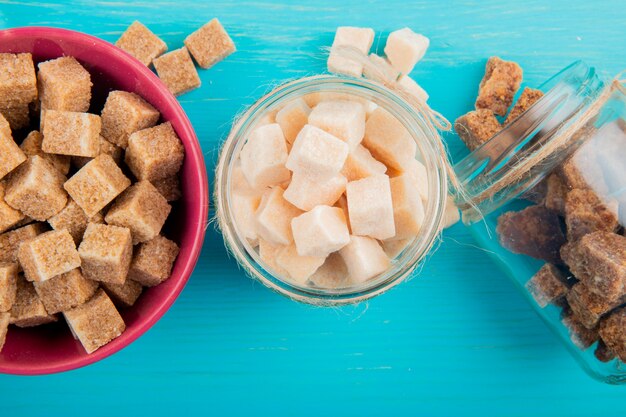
column 343, row 119
column 332, row 274
column 317, row 154
column 18, row 83
column 580, row 335
column 499, row 85
column 28, row 310
column 585, row 213
column 71, row 133
column 142, row 209
column 370, row 207
column 210, row 44
column 273, row 217
column 408, row 209
column 268, row 253
column 360, row 39
column 263, row 157
column 410, row 86
column 405, row 48
column 125, row 295
column 10, row 241
column 105, row 147
column 153, row 261
column 65, row 291
column 547, row 285
column 11, row 156
column 17, row 117
column 8, row 285
column 292, row 118
column 603, row 353
column 155, row 153
column 125, row 113
column 388, row 140
column 31, row 145
column 587, row 306
column 64, row 85
column 177, row 71
column 380, row 70
column 394, row 248
column 360, row 164
column 105, row 253
column 555, row 194
column 72, row 218
column 5, row 319
column 48, row 255
column 528, row 97
column 299, row 268
column 305, row 193
column 36, row 189
column 169, row 188
column 612, row 330
column 477, row 127
column 244, row 207
column 451, row 215
column 95, row 322
column 364, row 258
column 320, row 232
column 9, row 217
column 141, row 43
column 96, row 184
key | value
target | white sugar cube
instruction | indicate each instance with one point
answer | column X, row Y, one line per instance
column 417, row 172
column 342, row 203
column 332, row 274
column 273, row 217
column 268, row 253
column 244, row 207
column 299, row 268
column 306, row 193
column 405, row 48
column 409, row 85
column 394, row 248
column 451, row 215
column 364, row 258
column 380, row 70
column 358, row 38
column 388, row 140
column 292, row 118
column 342, row 119
column 317, row 153
column 360, row 164
column 320, row 231
column 408, row 210
column 370, row 207
column 264, row 155
column 239, row 184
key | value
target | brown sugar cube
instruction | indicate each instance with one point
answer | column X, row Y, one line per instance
column 8, row 285
column 64, row 85
column 587, row 306
column 580, row 335
column 528, row 97
column 585, row 213
column 169, row 188
column 603, row 353
column 28, row 310
column 141, row 43
column 556, row 192
column 155, row 153
column 36, row 189
column 477, row 127
column 71, row 133
column 32, row 146
column 9, row 217
column 125, row 113
column 107, row 148
column 5, row 319
column 583, row 170
column 73, row 219
column 210, row 44
column 10, row 241
column 96, row 322
column 5, row 127
column 48, row 255
column 105, row 253
column 501, row 81
column 177, row 71
column 11, row 156
column 153, row 261
column 548, row 285
column 18, row 83
column 612, row 330
column 65, row 291
column 124, row 295
column 97, row 184
column 535, row 231
column 18, row 117
column 141, row 209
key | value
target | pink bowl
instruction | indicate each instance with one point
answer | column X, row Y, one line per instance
column 51, row 348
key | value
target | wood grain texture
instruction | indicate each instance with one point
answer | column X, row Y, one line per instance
column 456, row 339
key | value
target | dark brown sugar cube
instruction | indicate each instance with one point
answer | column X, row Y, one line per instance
column 603, row 353
column 547, row 285
column 105, row 253
column 36, row 189
column 48, row 255
column 153, row 261
column 556, row 192
column 65, row 291
column 580, row 335
column 96, row 322
column 499, row 85
column 10, row 241
column 11, row 156
column 169, row 188
column 477, row 127
column 18, row 83
column 177, row 71
column 124, row 295
column 587, row 307
column 141, row 209
column 71, row 133
column 72, row 218
column 612, row 330
column 210, row 44
column 528, row 97
column 141, row 43
column 32, row 146
column 18, row 117
column 8, row 285
column 535, row 231
column 125, row 113
column 585, row 213
column 28, row 310
column 97, row 184
column 5, row 319
column 9, row 217
column 105, row 148
column 64, row 85
column 155, row 153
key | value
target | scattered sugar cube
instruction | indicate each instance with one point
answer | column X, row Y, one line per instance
column 177, row 71
column 244, row 208
column 64, row 85
column 9, row 217
column 263, row 157
column 72, row 218
column 210, row 44
column 142, row 209
column 370, row 207
column 71, row 133
column 5, row 319
column 499, row 85
column 360, row 164
column 408, row 210
column 409, row 85
column 10, row 241
column 268, row 253
column 273, row 217
column 125, row 113
column 364, row 258
column 317, row 154
column 105, row 253
column 380, row 70
column 153, row 261
column 358, row 38
column 65, row 291
column 11, row 156
column 105, row 147
column 305, row 193
column 332, row 274
column 394, row 248
column 299, row 268
column 32, row 146
column 96, row 322
column 28, row 310
column 528, row 97
column 405, row 48
column 169, row 188
column 342, row 119
column 48, row 255
column 8, row 285
column 320, row 231
column 18, row 83
column 141, row 43
column 451, row 215
column 155, row 153
column 477, row 127
column 125, row 295
column 388, row 140
column 292, row 118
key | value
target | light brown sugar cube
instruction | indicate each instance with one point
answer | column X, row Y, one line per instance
column 408, row 210
column 142, row 209
column 388, row 140
column 71, row 133
column 370, row 207
column 210, row 44
column 299, row 268
column 320, row 231
column 5, row 127
column 28, row 310
column 72, row 218
column 451, row 216
column 499, row 85
column 5, row 319
column 380, row 70
column 32, row 146
column 305, row 193
column 404, row 49
column 273, row 217
column 125, row 113
column 105, row 253
column 48, row 255
column 125, row 295
column 360, row 164
column 153, row 261
column 394, row 248
column 64, row 85
column 18, row 83
column 10, row 241
column 17, row 117
column 263, row 157
column 364, row 258
column 169, row 188
column 141, row 43
column 96, row 184
column 8, row 285
column 332, row 274
column 268, row 253
column 410, row 86
column 317, row 154
column 177, row 71
column 341, row 118
column 9, row 217
column 96, row 322
column 244, row 209
column 292, row 118
column 65, row 291
column 36, row 189
column 476, row 127
column 359, row 39
column 155, row 153
column 11, row 156
column 105, row 148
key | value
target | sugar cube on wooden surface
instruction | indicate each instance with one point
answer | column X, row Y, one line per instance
column 320, row 231
column 273, row 217
column 9, row 217
column 370, row 207
column 48, row 255
column 332, row 274
column 124, row 295
column 31, row 145
column 360, row 164
column 11, row 240
column 11, row 156
column 71, row 133
column 263, row 157
column 210, row 44
column 292, row 118
column 388, row 140
column 141, row 43
column 360, row 39
column 499, row 85
column 153, row 261
column 299, row 268
column 404, row 49
column 18, row 83
column 8, row 285
column 155, row 153
column 306, row 193
column 477, row 127
column 317, row 154
column 177, row 71
column 341, row 118
column 408, row 210
column 64, row 85
column 105, row 253
column 125, row 113
column 65, row 291
column 28, row 310
column 364, row 258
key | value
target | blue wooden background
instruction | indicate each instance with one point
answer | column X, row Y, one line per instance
column 458, row 338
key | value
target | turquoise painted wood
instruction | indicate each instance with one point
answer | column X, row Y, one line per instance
column 457, row 338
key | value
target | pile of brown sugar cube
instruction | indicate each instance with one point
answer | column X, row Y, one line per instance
column 575, row 222
column 82, row 201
